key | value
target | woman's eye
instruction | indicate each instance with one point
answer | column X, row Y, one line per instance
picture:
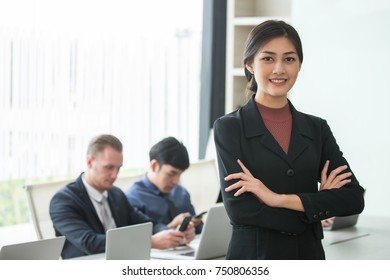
column 267, row 58
column 290, row 59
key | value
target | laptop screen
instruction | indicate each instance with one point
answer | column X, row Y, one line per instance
column 44, row 249
column 129, row 243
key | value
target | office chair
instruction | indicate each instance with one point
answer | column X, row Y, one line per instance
column 201, row 180
column 38, row 197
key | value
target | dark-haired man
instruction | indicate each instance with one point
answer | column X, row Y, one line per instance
column 85, row 209
column 159, row 194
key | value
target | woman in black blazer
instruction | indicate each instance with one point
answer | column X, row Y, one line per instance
column 271, row 158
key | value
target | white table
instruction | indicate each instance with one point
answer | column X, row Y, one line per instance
column 368, row 240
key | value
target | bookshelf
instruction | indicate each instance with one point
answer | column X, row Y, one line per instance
column 242, row 16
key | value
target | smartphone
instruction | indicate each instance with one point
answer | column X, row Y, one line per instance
column 197, row 216
column 185, row 223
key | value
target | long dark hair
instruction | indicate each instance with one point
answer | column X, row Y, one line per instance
column 262, row 34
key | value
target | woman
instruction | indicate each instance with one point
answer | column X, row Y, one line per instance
column 271, row 158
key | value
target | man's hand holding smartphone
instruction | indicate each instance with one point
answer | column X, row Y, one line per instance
column 197, row 219
column 184, row 224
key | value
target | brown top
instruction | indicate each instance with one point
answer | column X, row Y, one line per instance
column 279, row 123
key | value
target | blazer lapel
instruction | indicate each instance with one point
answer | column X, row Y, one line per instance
column 87, row 204
column 301, row 135
column 115, row 210
column 82, row 192
column 254, row 127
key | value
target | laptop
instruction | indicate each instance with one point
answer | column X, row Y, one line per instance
column 342, row 222
column 43, row 249
column 212, row 243
column 130, row 242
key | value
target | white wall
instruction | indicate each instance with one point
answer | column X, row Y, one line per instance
column 345, row 79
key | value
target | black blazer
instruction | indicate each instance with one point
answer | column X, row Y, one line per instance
column 74, row 216
column 262, row 232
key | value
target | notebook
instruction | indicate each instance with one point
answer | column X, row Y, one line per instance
column 129, row 243
column 212, row 243
column 44, row 249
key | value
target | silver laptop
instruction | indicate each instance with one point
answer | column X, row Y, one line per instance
column 212, row 243
column 129, row 243
column 342, row 222
column 44, row 249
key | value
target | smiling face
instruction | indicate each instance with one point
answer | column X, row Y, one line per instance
column 275, row 68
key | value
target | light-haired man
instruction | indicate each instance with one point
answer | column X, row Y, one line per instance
column 85, row 209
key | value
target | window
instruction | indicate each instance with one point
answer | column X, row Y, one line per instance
column 73, row 69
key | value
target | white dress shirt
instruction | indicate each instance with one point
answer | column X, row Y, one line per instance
column 100, row 202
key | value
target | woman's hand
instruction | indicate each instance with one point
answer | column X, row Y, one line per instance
column 248, row 183
column 336, row 179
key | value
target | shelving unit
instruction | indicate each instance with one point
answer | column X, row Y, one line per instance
column 242, row 16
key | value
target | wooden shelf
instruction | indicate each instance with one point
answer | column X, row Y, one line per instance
column 242, row 16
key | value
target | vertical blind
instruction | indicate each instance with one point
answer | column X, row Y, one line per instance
column 57, row 91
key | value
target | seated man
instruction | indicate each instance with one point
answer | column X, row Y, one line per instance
column 158, row 194
column 85, row 209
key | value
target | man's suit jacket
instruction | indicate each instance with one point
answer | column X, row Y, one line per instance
column 74, row 216
column 262, row 232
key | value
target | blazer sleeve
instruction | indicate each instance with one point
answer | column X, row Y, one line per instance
column 72, row 218
column 347, row 200
column 246, row 209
